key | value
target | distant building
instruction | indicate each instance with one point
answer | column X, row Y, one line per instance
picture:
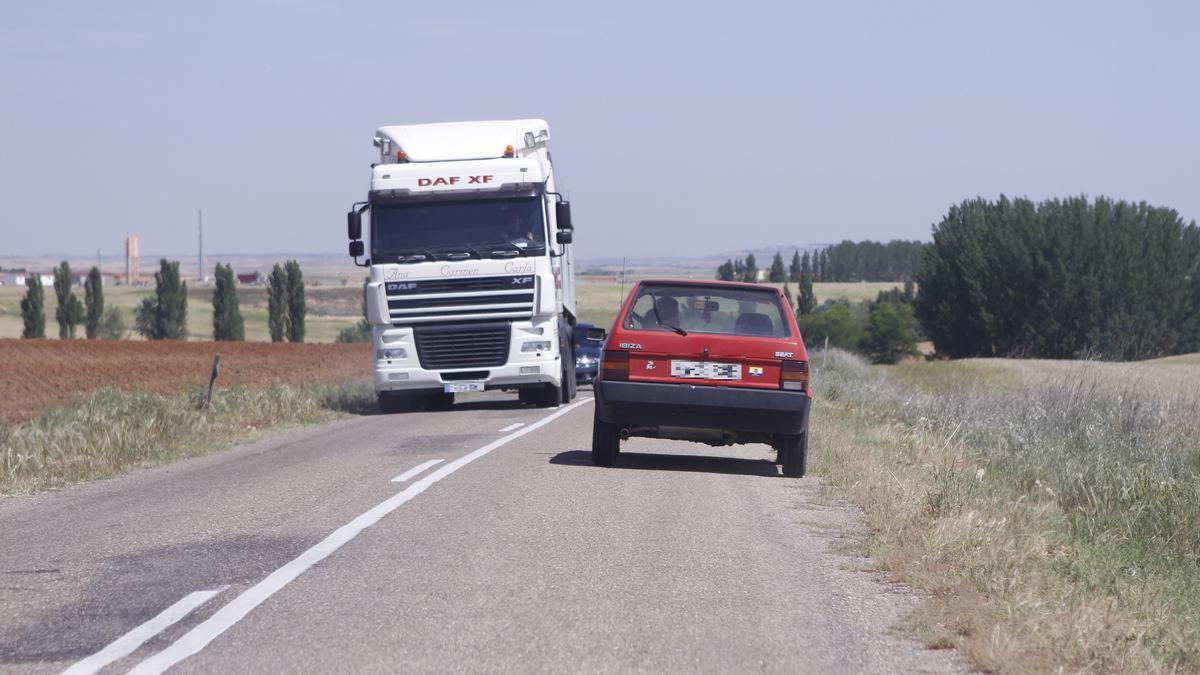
column 252, row 278
column 131, row 259
column 18, row 279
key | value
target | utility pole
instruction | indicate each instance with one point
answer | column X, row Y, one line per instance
column 200, row 229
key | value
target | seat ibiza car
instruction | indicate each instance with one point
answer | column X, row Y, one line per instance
column 711, row 362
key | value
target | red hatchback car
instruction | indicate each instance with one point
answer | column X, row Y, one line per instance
column 713, row 362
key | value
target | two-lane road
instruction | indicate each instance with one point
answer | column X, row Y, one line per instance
column 478, row 539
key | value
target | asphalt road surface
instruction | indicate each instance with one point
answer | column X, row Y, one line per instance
column 475, row 540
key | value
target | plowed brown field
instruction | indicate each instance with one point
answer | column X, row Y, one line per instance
column 38, row 373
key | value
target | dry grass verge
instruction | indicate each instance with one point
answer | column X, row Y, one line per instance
column 113, row 431
column 1055, row 522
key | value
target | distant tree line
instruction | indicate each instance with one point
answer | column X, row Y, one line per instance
column 1062, row 278
column 896, row 260
column 163, row 315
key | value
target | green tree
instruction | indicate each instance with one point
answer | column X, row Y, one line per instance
column 296, row 307
column 1061, row 279
column 806, row 300
column 228, row 325
column 777, row 273
column 112, row 325
column 70, row 311
column 93, row 299
column 836, row 320
column 33, row 308
column 891, row 332
column 163, row 316
column 750, row 269
column 277, row 304
column 725, row 271
column 794, row 268
column 787, row 295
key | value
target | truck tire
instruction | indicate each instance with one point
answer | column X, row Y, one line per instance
column 793, row 453
column 567, row 356
column 550, row 396
column 439, row 401
column 391, row 403
column 606, row 442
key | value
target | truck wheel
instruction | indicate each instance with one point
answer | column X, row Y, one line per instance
column 794, row 451
column 551, row 396
column 439, row 401
column 606, row 442
column 567, row 355
column 390, row 403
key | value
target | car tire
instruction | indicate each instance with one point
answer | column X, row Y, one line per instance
column 606, row 442
column 794, row 452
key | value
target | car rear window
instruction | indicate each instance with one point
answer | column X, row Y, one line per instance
column 708, row 309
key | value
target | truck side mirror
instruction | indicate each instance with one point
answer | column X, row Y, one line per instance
column 562, row 214
column 564, row 236
column 354, row 224
column 356, row 248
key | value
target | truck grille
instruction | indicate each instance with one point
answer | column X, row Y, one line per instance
column 475, row 345
column 429, row 300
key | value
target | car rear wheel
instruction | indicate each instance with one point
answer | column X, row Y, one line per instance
column 606, row 442
column 793, row 454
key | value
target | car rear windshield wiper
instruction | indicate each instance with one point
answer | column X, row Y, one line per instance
column 658, row 319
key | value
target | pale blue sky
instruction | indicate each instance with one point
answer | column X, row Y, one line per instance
column 678, row 130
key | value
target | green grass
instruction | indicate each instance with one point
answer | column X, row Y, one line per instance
column 113, row 431
column 1050, row 509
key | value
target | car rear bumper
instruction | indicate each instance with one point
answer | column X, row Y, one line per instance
column 733, row 409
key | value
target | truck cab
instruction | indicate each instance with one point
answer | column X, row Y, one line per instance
column 471, row 264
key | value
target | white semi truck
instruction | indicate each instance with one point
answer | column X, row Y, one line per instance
column 472, row 275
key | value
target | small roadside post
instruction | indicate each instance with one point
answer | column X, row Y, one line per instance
column 216, row 370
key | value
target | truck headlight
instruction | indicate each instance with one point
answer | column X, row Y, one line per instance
column 391, row 353
column 536, row 346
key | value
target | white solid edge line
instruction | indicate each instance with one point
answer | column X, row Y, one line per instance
column 514, row 425
column 416, row 470
column 129, row 642
column 237, row 609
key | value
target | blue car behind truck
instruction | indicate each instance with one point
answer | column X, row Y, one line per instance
column 589, row 342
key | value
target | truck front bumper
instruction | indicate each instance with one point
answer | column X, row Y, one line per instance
column 734, row 409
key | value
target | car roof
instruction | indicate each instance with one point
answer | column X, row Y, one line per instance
column 710, row 283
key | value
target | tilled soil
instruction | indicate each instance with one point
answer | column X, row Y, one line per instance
column 38, row 373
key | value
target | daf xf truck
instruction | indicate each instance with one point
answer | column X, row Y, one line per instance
column 472, row 276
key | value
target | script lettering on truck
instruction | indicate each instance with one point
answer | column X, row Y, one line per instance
column 455, row 180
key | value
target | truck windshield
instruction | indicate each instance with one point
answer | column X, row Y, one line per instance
column 479, row 227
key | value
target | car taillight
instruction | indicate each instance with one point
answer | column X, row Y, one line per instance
column 794, row 375
column 614, row 365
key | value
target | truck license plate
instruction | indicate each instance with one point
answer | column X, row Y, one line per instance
column 706, row 370
column 459, row 387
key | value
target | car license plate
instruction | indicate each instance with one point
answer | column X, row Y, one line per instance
column 459, row 387
column 706, row 370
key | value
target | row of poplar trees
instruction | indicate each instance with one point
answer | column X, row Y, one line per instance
column 70, row 312
column 163, row 315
